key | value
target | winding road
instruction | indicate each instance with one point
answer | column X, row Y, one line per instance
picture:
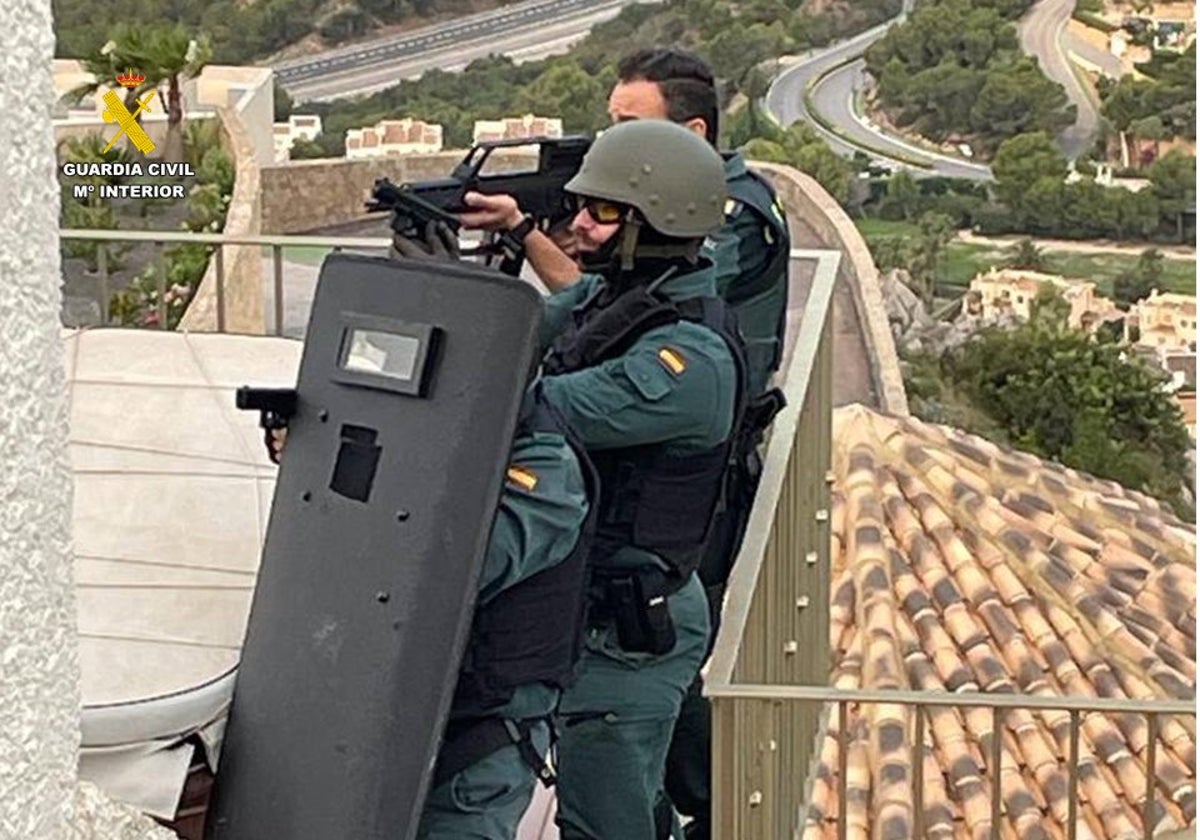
column 833, row 76
column 1042, row 31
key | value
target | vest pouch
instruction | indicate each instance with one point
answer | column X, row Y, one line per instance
column 643, row 619
column 678, row 499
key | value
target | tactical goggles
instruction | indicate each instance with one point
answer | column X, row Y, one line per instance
column 602, row 211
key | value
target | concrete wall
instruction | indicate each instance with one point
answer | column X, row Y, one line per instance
column 303, row 195
column 39, row 665
column 251, row 92
column 805, row 198
column 243, row 291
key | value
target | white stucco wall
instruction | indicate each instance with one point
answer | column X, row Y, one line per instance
column 39, row 728
column 39, row 666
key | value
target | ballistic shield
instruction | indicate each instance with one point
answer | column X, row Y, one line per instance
column 406, row 403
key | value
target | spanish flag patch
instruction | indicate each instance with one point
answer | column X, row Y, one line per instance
column 522, row 477
column 672, row 360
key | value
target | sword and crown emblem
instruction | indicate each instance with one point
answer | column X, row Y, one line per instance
column 127, row 124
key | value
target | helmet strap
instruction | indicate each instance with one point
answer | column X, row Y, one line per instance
column 629, row 240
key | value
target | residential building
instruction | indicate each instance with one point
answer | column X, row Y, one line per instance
column 298, row 127
column 1181, row 367
column 1010, row 292
column 1165, row 321
column 392, row 138
column 511, row 128
column 1174, row 25
column 1104, row 177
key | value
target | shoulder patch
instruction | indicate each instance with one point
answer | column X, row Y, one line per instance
column 672, row 360
column 522, row 477
column 778, row 209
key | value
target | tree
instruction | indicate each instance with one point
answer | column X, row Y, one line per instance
column 567, row 90
column 925, row 251
column 1040, row 207
column 1150, row 128
column 1062, row 395
column 1136, row 284
column 1018, row 99
column 903, row 193
column 283, row 102
column 172, row 55
column 1028, row 256
column 800, row 146
column 1021, row 161
column 1173, row 180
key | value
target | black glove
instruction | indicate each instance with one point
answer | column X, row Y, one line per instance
column 438, row 243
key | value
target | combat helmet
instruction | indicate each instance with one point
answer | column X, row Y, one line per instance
column 669, row 174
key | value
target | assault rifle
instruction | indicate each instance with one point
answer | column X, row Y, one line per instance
column 538, row 192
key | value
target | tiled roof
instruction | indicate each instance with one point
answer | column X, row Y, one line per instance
column 959, row 566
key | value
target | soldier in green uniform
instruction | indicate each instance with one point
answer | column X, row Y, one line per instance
column 646, row 365
column 750, row 252
column 751, row 256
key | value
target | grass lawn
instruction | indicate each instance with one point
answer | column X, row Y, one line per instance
column 875, row 228
column 963, row 261
column 1178, row 275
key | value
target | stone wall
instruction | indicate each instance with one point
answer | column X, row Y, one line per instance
column 301, row 196
column 805, row 198
column 243, row 290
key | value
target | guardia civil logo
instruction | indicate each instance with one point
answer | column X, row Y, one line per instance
column 99, row 173
column 127, row 124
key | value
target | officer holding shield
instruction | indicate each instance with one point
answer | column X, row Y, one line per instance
column 521, row 652
column 522, row 646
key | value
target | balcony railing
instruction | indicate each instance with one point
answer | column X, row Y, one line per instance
column 159, row 238
column 775, row 625
column 768, row 679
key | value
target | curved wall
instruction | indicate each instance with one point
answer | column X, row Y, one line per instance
column 804, row 197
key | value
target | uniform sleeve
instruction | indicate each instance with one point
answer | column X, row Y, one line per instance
column 739, row 249
column 676, row 385
column 557, row 311
column 542, row 508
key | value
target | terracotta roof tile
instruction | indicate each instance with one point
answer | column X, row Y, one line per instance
column 960, row 566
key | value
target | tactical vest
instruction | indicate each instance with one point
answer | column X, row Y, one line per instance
column 533, row 631
column 755, row 193
column 650, row 499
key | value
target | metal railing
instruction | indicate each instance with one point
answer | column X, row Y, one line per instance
column 768, row 678
column 160, row 238
column 775, row 625
column 757, row 816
